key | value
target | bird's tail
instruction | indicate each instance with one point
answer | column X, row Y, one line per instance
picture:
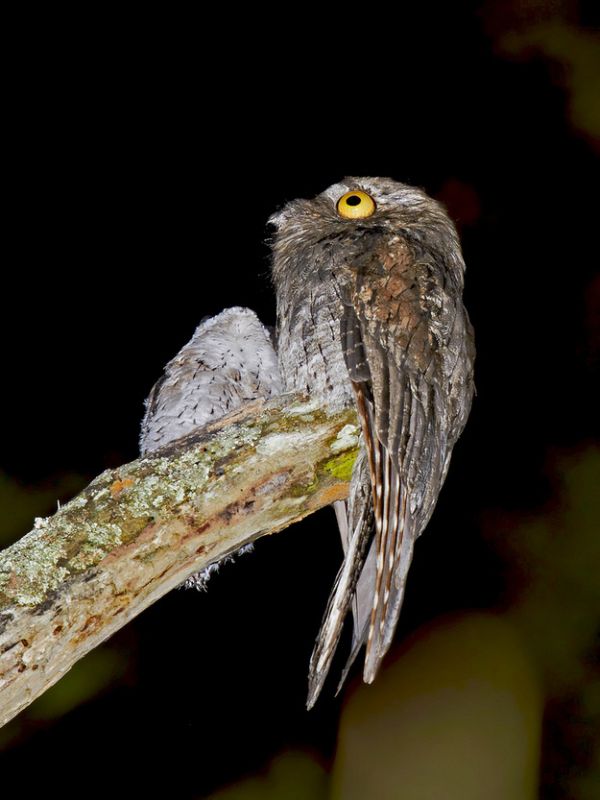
column 355, row 521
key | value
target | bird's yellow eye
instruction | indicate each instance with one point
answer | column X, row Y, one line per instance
column 356, row 205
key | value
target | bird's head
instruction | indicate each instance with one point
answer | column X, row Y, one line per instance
column 347, row 215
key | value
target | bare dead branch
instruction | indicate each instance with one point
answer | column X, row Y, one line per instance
column 138, row 531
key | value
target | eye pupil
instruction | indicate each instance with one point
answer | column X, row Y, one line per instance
column 355, row 204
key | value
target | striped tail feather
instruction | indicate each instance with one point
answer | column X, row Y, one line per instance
column 393, row 544
column 355, row 520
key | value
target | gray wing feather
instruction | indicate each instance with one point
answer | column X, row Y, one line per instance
column 229, row 360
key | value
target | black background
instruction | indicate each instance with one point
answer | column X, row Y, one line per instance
column 142, row 175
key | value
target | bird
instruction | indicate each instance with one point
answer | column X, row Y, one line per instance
column 369, row 279
column 229, row 361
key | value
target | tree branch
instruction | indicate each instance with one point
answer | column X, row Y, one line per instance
column 139, row 530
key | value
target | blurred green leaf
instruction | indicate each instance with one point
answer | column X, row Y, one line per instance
column 558, row 555
column 291, row 776
column 556, row 604
column 456, row 716
column 84, row 680
column 88, row 677
column 577, row 54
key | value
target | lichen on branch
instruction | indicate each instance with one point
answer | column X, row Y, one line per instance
column 139, row 530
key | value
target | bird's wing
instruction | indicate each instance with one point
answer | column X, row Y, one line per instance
column 406, row 348
column 407, row 344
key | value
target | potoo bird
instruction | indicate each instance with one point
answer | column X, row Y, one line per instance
column 369, row 281
column 229, row 360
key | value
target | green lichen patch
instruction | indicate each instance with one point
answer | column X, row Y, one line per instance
column 340, row 466
column 34, row 565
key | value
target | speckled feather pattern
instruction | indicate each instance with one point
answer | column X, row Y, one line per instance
column 229, row 360
column 370, row 312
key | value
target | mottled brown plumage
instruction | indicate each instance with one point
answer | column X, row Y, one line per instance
column 370, row 312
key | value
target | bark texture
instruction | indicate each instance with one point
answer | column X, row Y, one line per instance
column 139, row 530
